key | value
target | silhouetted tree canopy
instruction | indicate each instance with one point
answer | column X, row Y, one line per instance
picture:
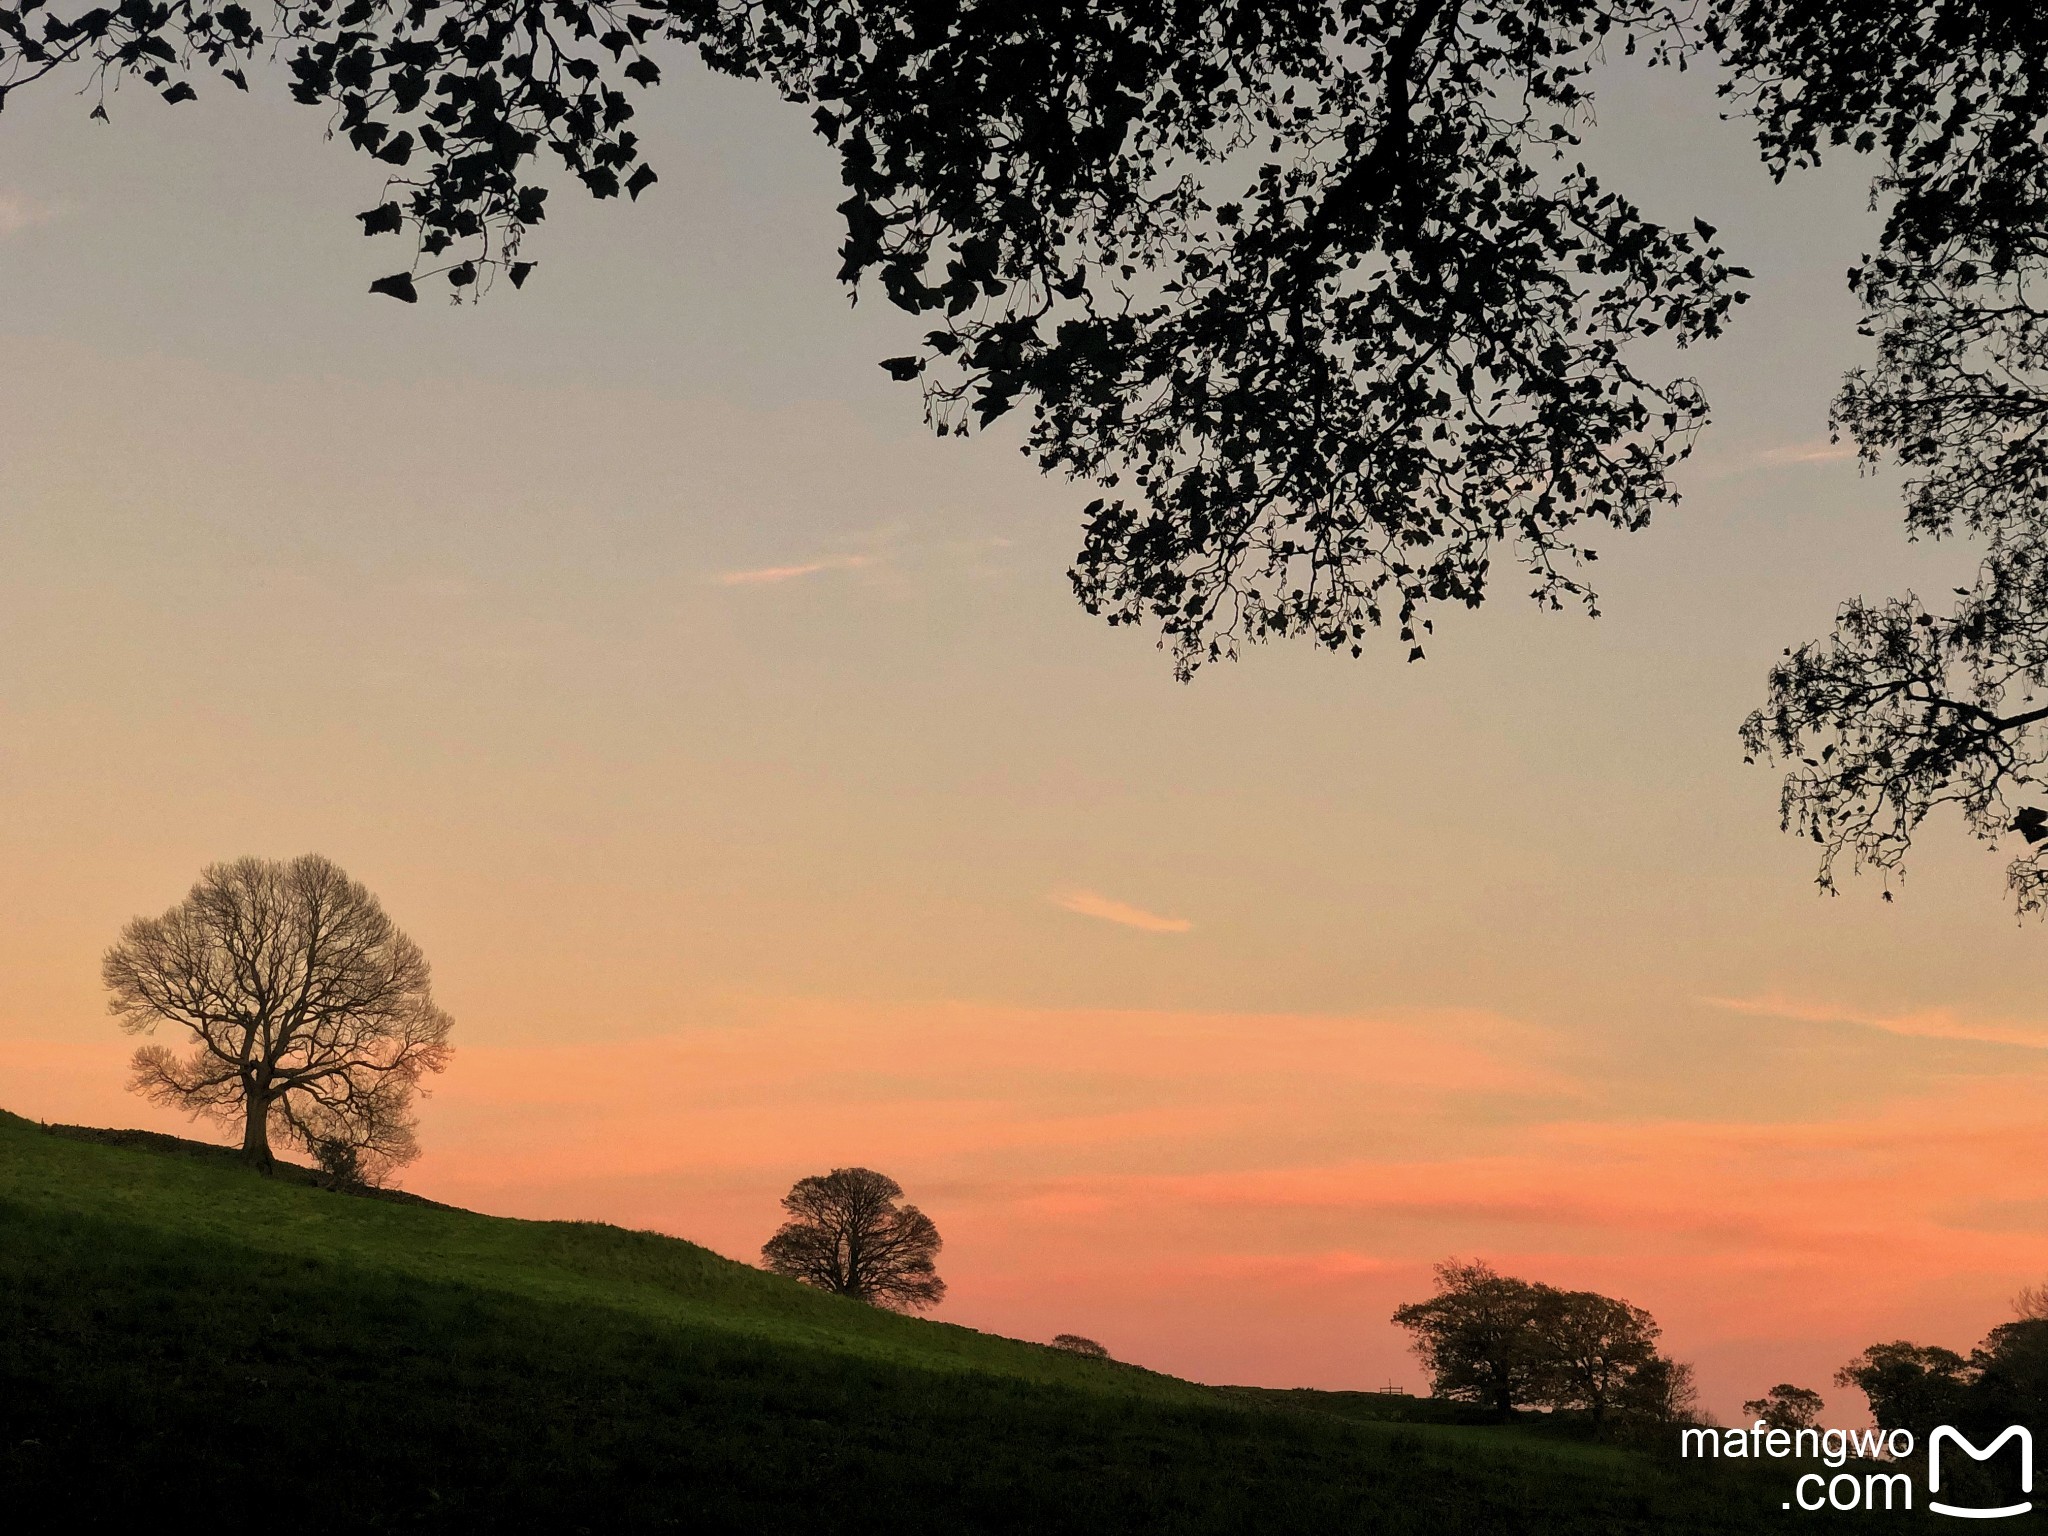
column 1477, row 1336
column 309, row 1014
column 1077, row 1344
column 1593, row 1350
column 1489, row 1338
column 1786, row 1407
column 1908, row 1386
column 2003, row 1381
column 2008, row 1374
column 1906, row 707
column 1662, row 1391
column 1917, row 1387
column 1316, row 293
column 847, row 1234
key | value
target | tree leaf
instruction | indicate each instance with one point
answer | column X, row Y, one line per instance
column 384, row 219
column 399, row 286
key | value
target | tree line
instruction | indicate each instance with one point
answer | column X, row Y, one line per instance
column 1503, row 1343
column 2002, row 1380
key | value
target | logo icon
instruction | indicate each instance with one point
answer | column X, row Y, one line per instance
column 1934, row 1441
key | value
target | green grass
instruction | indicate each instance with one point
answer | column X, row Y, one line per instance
column 179, row 1334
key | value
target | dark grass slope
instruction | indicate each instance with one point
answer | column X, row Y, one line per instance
column 181, row 1338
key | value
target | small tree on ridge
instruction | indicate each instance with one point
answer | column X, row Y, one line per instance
column 1079, row 1344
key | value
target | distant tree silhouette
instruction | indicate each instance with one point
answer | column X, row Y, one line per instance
column 847, row 1234
column 2031, row 1304
column 1786, row 1407
column 1478, row 1336
column 1489, row 1338
column 1075, row 1344
column 309, row 1014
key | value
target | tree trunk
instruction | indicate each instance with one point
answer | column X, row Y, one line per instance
column 256, row 1133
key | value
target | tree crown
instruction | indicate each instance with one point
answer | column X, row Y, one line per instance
column 306, row 1010
column 847, row 1234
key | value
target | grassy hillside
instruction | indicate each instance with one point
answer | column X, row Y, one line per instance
column 176, row 1333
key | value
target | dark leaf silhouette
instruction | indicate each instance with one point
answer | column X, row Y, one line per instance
column 382, row 220
column 1907, row 705
column 399, row 285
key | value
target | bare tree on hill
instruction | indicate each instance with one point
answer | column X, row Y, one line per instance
column 309, row 1015
column 847, row 1234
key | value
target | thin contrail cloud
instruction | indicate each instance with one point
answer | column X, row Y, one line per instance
column 1110, row 910
column 767, row 575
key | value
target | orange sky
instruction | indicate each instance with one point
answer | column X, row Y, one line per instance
column 738, row 756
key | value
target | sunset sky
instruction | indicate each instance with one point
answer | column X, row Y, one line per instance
column 765, row 803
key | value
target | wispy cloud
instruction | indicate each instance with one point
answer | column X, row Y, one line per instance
column 767, row 575
column 1926, row 1024
column 19, row 211
column 1743, row 461
column 1094, row 904
column 1817, row 450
